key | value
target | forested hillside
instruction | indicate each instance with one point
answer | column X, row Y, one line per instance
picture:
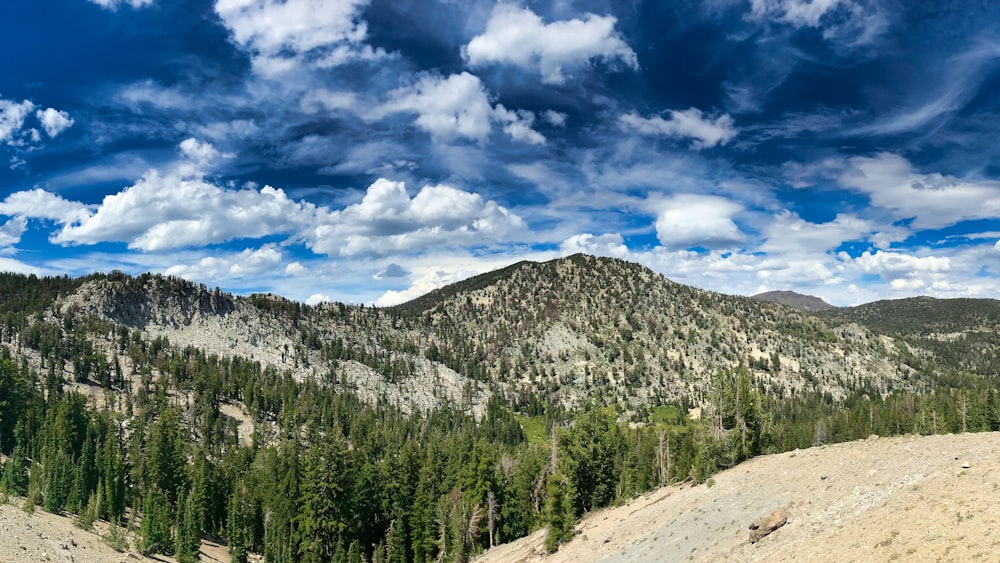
column 517, row 400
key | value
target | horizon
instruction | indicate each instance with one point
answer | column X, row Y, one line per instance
column 368, row 151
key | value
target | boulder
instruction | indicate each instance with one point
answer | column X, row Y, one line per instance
column 767, row 524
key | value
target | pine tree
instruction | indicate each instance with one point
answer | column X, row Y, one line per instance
column 324, row 512
column 15, row 474
column 236, row 531
column 154, row 531
column 189, row 530
column 558, row 514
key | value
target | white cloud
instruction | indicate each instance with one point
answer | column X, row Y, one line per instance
column 424, row 284
column 898, row 263
column 113, row 4
column 518, row 36
column 248, row 263
column 517, row 124
column 387, row 220
column 54, row 121
column 932, row 201
column 11, row 231
column 12, row 116
column 906, row 285
column 147, row 92
column 787, row 233
column 848, row 23
column 705, row 131
column 690, row 220
column 164, row 212
column 610, row 244
column 168, row 210
column 447, row 108
column 317, row 298
column 798, row 13
column 555, row 118
column 457, row 106
column 40, row 204
column 326, row 100
column 282, row 34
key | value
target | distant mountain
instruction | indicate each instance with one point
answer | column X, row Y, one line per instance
column 795, row 300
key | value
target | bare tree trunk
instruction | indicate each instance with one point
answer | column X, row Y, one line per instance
column 491, row 514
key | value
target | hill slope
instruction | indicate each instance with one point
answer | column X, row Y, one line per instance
column 795, row 300
column 571, row 331
column 906, row 498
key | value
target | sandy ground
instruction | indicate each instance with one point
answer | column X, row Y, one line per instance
column 881, row 499
column 47, row 537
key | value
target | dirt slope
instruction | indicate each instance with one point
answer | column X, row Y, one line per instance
column 47, row 537
column 882, row 499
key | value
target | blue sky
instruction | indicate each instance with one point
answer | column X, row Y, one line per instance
column 369, row 150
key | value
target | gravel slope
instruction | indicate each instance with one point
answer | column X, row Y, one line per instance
column 882, row 499
column 47, row 537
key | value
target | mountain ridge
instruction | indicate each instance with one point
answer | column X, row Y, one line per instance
column 795, row 300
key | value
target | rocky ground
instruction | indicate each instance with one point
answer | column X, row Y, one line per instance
column 911, row 498
column 934, row 498
column 43, row 537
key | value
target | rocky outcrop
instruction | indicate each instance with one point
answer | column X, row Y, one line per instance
column 765, row 525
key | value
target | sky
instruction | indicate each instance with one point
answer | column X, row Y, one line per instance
column 368, row 151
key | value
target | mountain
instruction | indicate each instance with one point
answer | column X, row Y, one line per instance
column 573, row 330
column 795, row 300
column 941, row 335
column 537, row 394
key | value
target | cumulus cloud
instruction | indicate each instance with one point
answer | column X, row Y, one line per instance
column 694, row 220
column 317, row 298
column 705, row 131
column 40, row 204
column 932, row 201
column 12, row 116
column 555, row 118
column 164, row 212
column 424, row 284
column 788, row 233
column 457, row 106
column 517, row 124
column 388, row 220
column 900, row 284
column 882, row 262
column 54, row 121
column 609, row 244
column 178, row 208
column 517, row 36
column 11, row 231
column 281, row 34
column 248, row 263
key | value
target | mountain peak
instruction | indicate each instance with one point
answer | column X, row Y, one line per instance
column 795, row 300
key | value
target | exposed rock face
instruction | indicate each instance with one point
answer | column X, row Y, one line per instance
column 764, row 525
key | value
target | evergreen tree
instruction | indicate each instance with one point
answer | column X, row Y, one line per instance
column 15, row 474
column 154, row 531
column 236, row 529
column 189, row 530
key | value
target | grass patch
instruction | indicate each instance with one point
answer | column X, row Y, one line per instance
column 534, row 428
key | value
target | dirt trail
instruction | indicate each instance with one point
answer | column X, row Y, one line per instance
column 882, row 499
